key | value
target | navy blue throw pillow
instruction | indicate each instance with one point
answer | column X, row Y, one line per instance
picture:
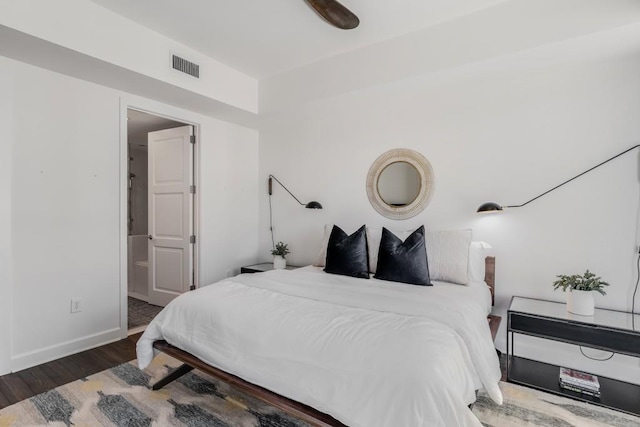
column 347, row 255
column 404, row 262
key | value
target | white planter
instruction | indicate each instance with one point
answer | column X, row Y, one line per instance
column 580, row 302
column 279, row 262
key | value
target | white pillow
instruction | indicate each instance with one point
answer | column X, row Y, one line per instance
column 478, row 251
column 374, row 235
column 322, row 255
column 448, row 255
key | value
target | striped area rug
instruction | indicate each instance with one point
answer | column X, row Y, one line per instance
column 526, row 407
column 121, row 397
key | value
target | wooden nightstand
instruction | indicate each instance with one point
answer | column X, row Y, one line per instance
column 265, row 266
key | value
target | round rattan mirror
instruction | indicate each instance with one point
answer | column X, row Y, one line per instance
column 400, row 183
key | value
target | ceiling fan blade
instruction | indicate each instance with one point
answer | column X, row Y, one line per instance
column 335, row 13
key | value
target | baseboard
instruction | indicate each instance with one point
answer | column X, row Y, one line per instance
column 47, row 354
column 136, row 330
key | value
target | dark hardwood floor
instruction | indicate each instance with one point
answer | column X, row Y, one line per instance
column 30, row 382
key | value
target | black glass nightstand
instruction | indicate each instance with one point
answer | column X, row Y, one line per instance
column 265, row 266
column 607, row 330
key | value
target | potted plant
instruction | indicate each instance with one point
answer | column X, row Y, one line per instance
column 279, row 253
column 581, row 288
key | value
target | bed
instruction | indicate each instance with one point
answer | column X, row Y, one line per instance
column 363, row 352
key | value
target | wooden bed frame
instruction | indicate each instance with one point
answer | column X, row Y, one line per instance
column 296, row 409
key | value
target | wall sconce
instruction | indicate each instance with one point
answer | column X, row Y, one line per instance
column 495, row 207
column 311, row 205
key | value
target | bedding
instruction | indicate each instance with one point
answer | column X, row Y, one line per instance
column 374, row 236
column 478, row 251
column 367, row 352
column 322, row 255
column 448, row 255
column 401, row 260
column 456, row 258
column 347, row 254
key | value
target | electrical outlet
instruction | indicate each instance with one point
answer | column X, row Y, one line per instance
column 229, row 273
column 76, row 305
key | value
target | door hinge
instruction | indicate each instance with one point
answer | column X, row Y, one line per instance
column 192, row 189
column 192, row 239
column 193, row 139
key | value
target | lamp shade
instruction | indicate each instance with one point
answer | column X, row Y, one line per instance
column 489, row 207
column 313, row 205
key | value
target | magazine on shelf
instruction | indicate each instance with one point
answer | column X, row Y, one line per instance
column 579, row 379
column 592, row 393
column 579, row 386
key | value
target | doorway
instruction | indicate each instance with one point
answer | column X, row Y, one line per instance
column 160, row 219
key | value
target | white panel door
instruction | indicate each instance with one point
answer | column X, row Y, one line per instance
column 170, row 213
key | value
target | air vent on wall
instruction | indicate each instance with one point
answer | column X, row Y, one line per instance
column 185, row 66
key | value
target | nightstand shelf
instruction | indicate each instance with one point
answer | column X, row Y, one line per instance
column 607, row 330
column 615, row 394
column 265, row 266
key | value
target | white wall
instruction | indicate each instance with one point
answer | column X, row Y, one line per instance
column 65, row 208
column 6, row 127
column 502, row 130
column 228, row 189
column 96, row 32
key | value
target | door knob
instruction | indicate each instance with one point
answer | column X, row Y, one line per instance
column 150, row 237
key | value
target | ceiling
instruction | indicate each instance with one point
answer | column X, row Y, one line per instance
column 262, row 38
column 139, row 124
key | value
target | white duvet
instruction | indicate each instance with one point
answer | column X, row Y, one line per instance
column 367, row 352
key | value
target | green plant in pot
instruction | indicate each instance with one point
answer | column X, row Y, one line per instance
column 581, row 288
column 279, row 253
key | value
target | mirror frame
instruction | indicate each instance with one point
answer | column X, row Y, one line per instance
column 427, row 183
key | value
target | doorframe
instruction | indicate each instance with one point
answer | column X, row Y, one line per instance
column 172, row 113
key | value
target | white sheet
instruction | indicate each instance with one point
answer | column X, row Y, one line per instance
column 368, row 352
